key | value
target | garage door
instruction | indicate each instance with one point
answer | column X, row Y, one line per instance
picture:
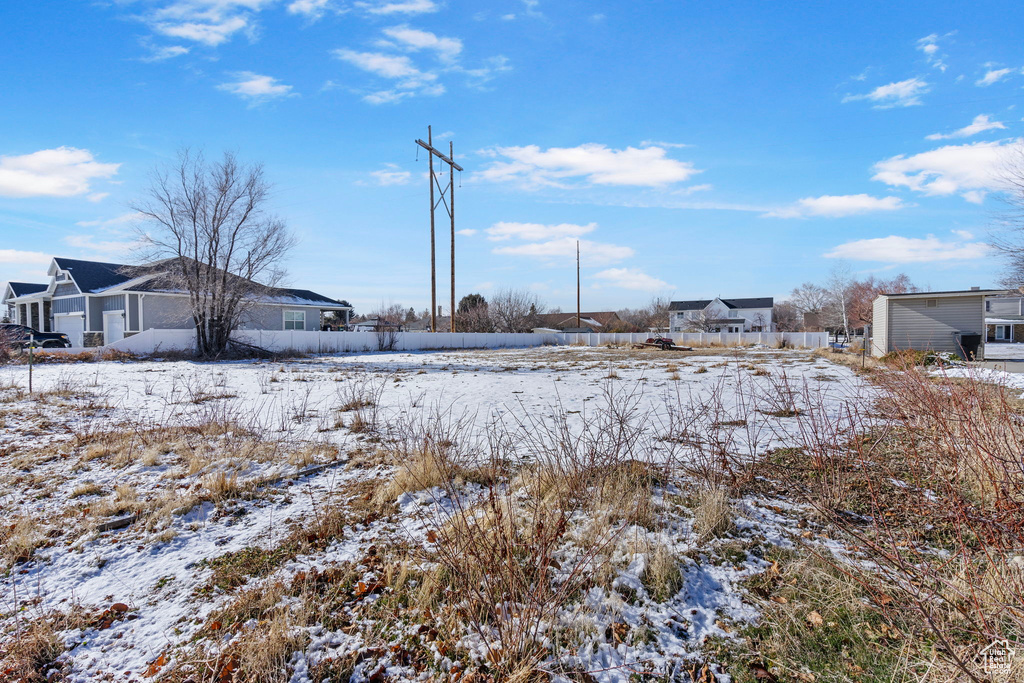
column 73, row 326
column 113, row 327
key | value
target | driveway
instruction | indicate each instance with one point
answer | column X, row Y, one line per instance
column 1004, row 352
column 1004, row 365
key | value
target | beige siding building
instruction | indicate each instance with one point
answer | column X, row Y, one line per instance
column 937, row 321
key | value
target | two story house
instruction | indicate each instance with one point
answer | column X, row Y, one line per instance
column 722, row 315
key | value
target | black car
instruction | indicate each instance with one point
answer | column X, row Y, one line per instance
column 12, row 334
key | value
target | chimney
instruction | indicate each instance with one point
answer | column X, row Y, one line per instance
column 439, row 314
column 975, row 289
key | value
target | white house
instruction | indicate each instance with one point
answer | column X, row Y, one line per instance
column 98, row 303
column 722, row 315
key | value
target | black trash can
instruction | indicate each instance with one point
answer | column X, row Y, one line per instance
column 970, row 343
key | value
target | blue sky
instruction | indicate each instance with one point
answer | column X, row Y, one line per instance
column 695, row 149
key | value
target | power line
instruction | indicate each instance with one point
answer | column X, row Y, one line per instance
column 446, row 196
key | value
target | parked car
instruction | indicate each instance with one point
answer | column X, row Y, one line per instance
column 21, row 336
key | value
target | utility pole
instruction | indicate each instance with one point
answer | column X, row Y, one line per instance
column 451, row 189
column 446, row 197
column 578, row 322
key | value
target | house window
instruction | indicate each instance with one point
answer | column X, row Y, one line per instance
column 734, row 314
column 932, row 303
column 988, row 306
column 1004, row 333
column 294, row 320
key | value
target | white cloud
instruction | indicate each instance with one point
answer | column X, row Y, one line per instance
column 210, row 22
column 116, row 222
column 963, row 234
column 313, row 9
column 61, row 172
column 556, row 242
column 409, row 80
column 900, row 94
column 980, row 124
column 466, row 232
column 929, row 46
column 894, row 249
column 993, row 76
column 161, row 53
column 413, row 39
column 666, row 145
column 256, row 87
column 835, row 206
column 97, row 196
column 399, row 7
column 595, row 163
column 591, row 253
column 24, row 257
column 108, row 248
column 537, row 231
column 392, row 175
column 492, row 66
column 630, row 278
column 969, row 169
column 530, row 7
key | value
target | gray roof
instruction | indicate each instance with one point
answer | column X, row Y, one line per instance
column 701, row 304
column 23, row 288
column 96, row 276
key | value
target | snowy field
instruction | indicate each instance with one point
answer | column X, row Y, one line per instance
column 203, row 463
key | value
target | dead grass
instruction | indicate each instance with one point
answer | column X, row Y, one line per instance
column 19, row 539
column 30, row 653
column 818, row 624
column 714, row 515
column 661, row 576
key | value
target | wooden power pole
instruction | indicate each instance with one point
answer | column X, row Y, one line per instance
column 446, row 196
column 579, row 323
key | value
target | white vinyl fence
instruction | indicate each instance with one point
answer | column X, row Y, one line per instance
column 154, row 341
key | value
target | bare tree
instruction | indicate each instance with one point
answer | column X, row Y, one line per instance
column 707, row 319
column 658, row 312
column 515, row 310
column 809, row 298
column 840, row 288
column 388, row 326
column 788, row 317
column 1009, row 242
column 208, row 223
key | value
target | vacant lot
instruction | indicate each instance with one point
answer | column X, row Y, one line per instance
column 553, row 513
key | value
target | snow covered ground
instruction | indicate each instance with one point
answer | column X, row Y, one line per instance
column 209, row 460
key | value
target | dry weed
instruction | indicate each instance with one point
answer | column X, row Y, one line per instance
column 714, row 516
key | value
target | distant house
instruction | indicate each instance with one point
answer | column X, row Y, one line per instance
column 590, row 321
column 12, row 291
column 444, row 324
column 952, row 322
column 722, row 315
column 98, row 303
column 374, row 324
column 1004, row 319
